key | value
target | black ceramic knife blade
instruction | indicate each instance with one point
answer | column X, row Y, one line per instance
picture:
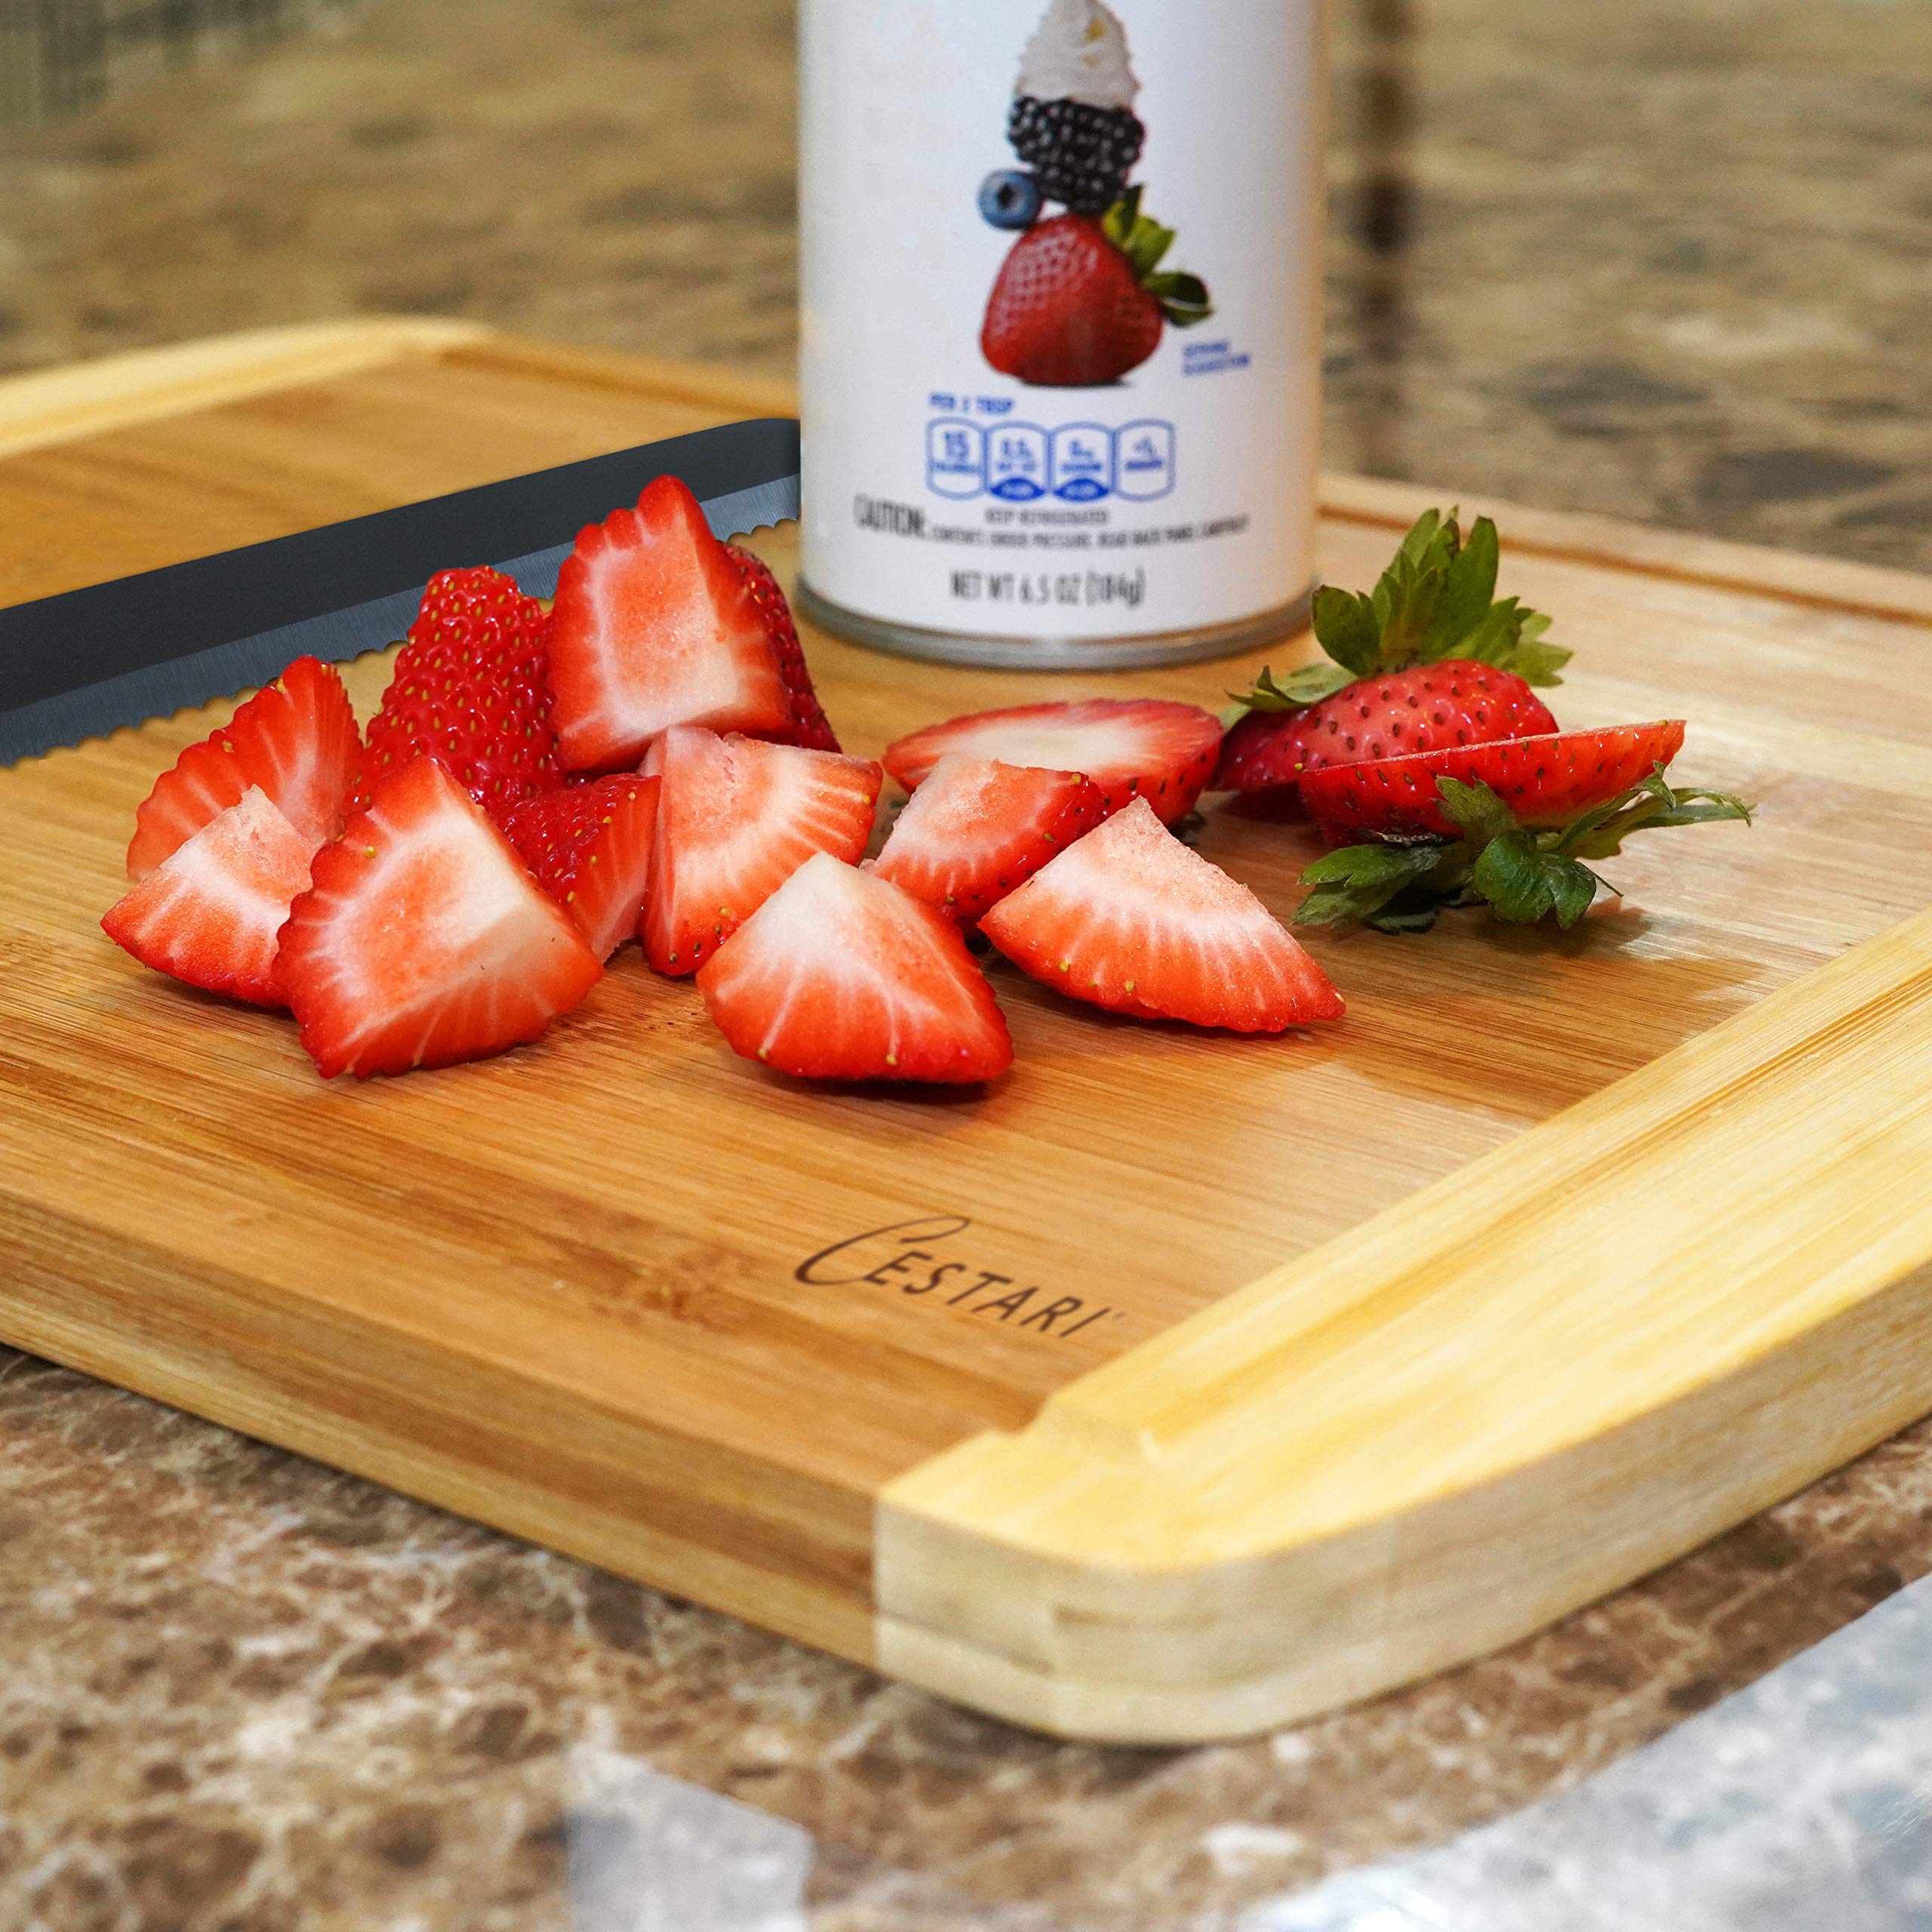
column 82, row 664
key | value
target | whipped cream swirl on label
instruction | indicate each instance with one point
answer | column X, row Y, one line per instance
column 1078, row 52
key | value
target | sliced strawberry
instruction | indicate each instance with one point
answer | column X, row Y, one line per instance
column 736, row 818
column 839, row 975
column 654, row 626
column 1131, row 919
column 296, row 739
column 588, row 846
column 471, row 688
column 1544, row 780
column 810, row 726
column 209, row 913
column 1389, row 715
column 1145, row 747
column 422, row 941
column 975, row 829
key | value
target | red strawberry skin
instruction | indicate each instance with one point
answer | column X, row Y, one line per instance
column 976, row 830
column 1544, row 780
column 470, row 688
column 1131, row 747
column 588, row 846
column 210, row 913
column 810, row 726
column 1130, row 919
column 1391, row 715
column 296, row 739
column 736, row 818
column 1067, row 310
column 422, row 940
column 840, row 975
column 653, row 626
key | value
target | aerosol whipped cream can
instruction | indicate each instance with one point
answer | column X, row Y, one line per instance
column 1061, row 319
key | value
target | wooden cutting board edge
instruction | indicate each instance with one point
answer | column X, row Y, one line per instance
column 1124, row 1567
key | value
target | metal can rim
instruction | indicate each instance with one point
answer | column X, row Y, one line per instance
column 1144, row 652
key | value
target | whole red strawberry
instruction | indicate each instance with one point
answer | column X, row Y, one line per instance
column 1080, row 302
column 470, row 690
column 1429, row 658
column 810, row 726
column 1421, row 709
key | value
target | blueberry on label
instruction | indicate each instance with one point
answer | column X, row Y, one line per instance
column 1009, row 198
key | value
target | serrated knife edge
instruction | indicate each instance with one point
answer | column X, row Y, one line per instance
column 182, row 680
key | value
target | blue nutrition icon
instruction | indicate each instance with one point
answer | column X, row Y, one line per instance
column 955, row 458
column 1079, row 463
column 1016, row 463
column 1144, row 462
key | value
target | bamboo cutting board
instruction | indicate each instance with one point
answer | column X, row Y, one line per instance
column 1177, row 1386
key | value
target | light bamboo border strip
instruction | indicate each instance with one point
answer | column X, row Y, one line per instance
column 44, row 406
column 1629, row 1328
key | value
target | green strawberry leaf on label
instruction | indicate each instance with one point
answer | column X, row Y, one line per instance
column 1184, row 300
column 1116, row 224
column 1523, row 875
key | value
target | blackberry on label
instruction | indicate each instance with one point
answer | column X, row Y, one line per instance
column 1081, row 154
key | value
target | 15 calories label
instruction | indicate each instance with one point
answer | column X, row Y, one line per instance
column 926, row 1260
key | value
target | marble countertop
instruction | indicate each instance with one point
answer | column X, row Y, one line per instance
column 1664, row 262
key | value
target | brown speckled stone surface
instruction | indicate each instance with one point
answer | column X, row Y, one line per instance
column 1664, row 261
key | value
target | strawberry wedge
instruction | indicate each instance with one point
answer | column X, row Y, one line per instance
column 422, row 941
column 655, row 626
column 1131, row 747
column 209, row 914
column 1130, row 919
column 841, row 976
column 1544, row 780
column 810, row 726
column 976, row 830
column 588, row 846
column 737, row 817
column 295, row 740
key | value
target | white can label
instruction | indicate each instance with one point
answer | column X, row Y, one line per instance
column 1062, row 286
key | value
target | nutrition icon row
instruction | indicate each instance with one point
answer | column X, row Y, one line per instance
column 1080, row 462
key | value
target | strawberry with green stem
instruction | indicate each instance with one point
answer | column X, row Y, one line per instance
column 1430, row 657
column 1080, row 302
column 1522, row 872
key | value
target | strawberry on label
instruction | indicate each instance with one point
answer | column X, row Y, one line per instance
column 1430, row 657
column 422, row 941
column 1130, row 919
column 1081, row 301
column 295, row 739
column 471, row 689
column 654, row 626
column 210, row 913
column 976, row 830
column 589, row 847
column 1130, row 747
column 840, row 975
column 736, row 818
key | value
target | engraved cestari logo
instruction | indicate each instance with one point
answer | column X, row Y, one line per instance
column 929, row 1260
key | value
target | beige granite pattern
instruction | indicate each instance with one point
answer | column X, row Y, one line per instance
column 1669, row 262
